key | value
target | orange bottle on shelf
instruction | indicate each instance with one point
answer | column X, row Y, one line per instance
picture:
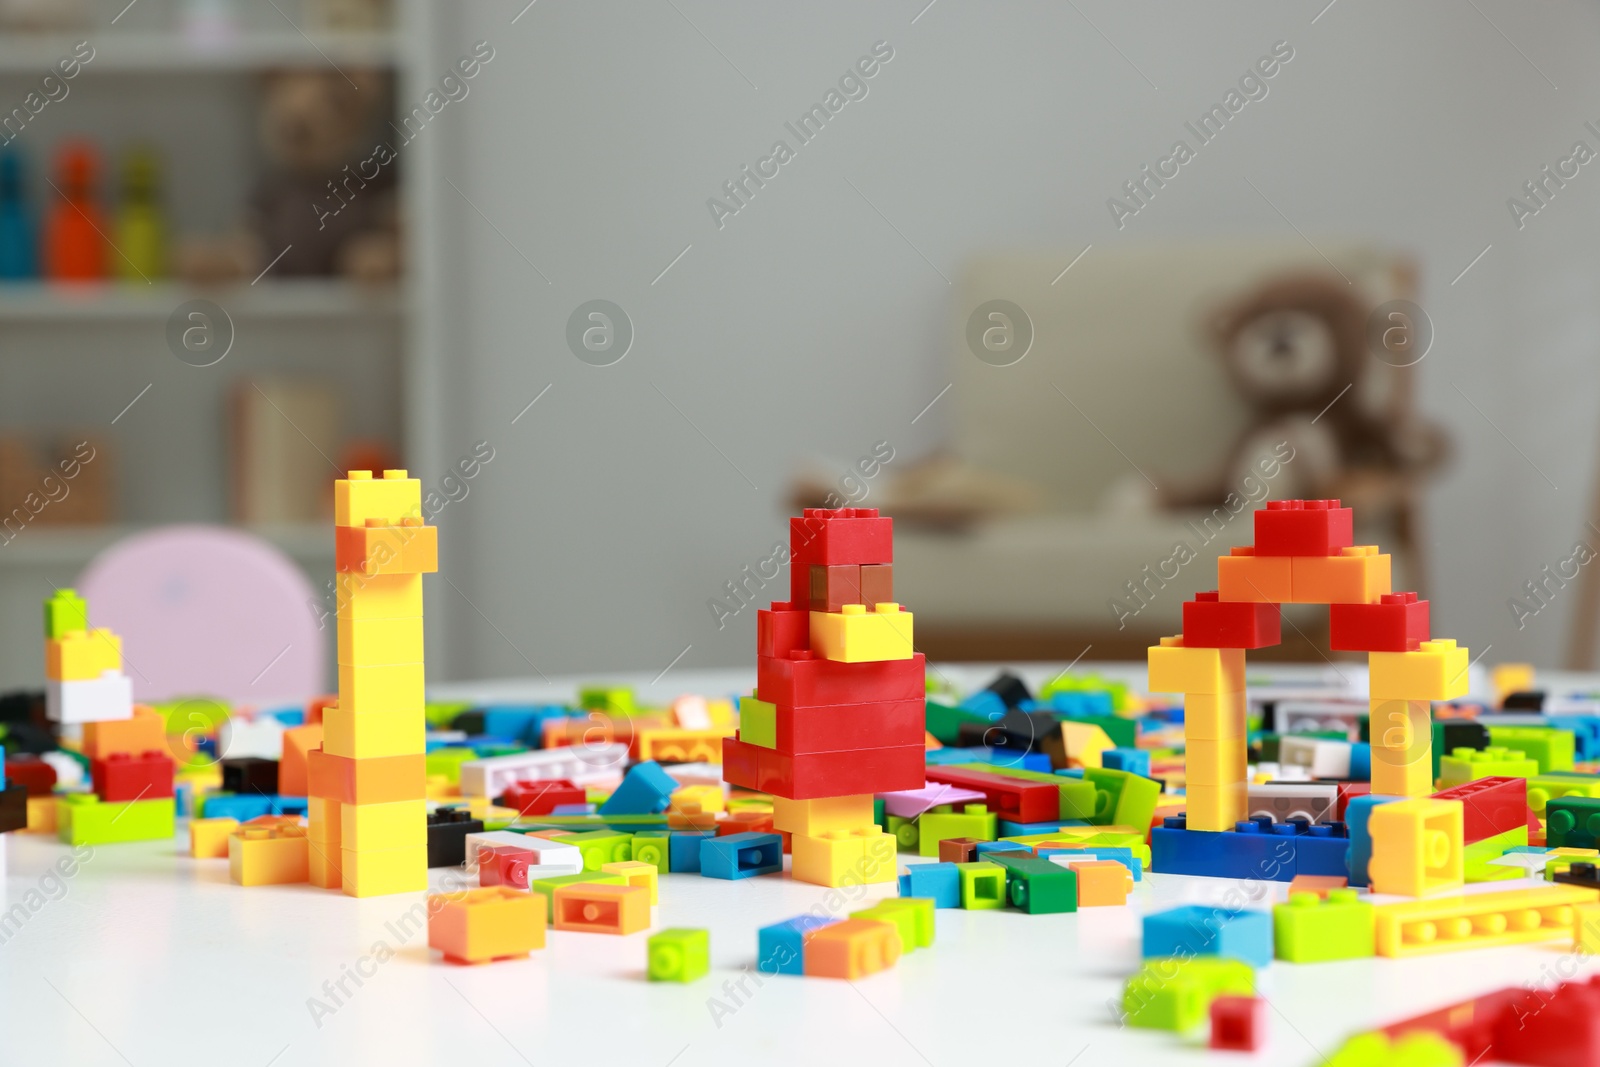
column 74, row 245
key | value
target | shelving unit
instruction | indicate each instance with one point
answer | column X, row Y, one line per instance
column 298, row 299
column 173, row 52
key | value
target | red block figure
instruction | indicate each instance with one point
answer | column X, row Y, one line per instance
column 1398, row 622
column 74, row 246
column 505, row 865
column 1304, row 528
column 1210, row 623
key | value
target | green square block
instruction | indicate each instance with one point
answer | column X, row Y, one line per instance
column 1476, row 856
column 680, row 954
column 440, row 714
column 907, row 833
column 64, row 611
column 758, row 722
column 983, row 885
column 1547, row 787
column 1469, row 764
column 85, row 819
column 616, row 699
column 447, row 762
column 652, row 847
column 903, row 921
column 600, row 847
column 976, row 822
column 548, row 887
column 921, row 926
column 1174, row 993
column 1077, row 795
column 1554, row 749
column 1134, row 797
column 1309, row 929
column 944, row 721
column 1040, row 887
column 1572, row 822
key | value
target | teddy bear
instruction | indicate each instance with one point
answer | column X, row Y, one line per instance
column 327, row 206
column 1296, row 349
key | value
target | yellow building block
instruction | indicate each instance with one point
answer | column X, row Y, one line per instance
column 374, row 642
column 1243, row 576
column 1586, row 928
column 855, row 635
column 371, row 734
column 1511, row 678
column 383, row 871
column 1481, row 920
column 325, row 820
column 78, row 655
column 208, row 838
column 1215, row 807
column 389, row 688
column 674, row 744
column 1215, row 716
column 1215, row 763
column 865, row 857
column 1437, row 670
column 635, row 872
column 1402, row 747
column 385, row 596
column 267, row 855
column 1357, row 575
column 1084, row 742
column 827, row 815
column 360, row 497
column 145, row 731
column 41, row 815
column 400, row 824
column 698, row 799
column 1176, row 669
column 1416, row 847
column 322, row 863
column 492, row 923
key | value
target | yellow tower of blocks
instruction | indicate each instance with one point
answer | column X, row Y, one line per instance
column 368, row 816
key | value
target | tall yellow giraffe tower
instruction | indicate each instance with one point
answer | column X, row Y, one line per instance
column 368, row 815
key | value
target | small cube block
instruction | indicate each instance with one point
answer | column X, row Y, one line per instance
column 1303, row 528
column 480, row 925
column 1238, row 1024
column 208, row 838
column 679, row 954
column 1103, row 883
column 1211, row 623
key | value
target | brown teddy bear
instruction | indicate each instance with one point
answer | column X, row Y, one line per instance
column 328, row 205
column 1296, row 348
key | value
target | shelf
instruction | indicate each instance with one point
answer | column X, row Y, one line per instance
column 145, row 52
column 74, row 546
column 308, row 299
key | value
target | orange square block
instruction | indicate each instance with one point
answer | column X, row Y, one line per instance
column 382, row 780
column 1103, row 882
column 146, row 731
column 379, row 548
column 294, row 779
column 588, row 907
column 1243, row 576
column 1357, row 575
column 851, row 949
column 480, row 925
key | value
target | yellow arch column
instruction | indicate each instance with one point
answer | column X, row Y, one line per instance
column 1401, row 689
column 1216, row 762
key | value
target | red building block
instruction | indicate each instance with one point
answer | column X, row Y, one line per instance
column 1238, row 1024
column 804, row 680
column 119, row 776
column 829, row 537
column 1010, row 798
column 1210, row 623
column 1473, row 1025
column 1489, row 806
column 1558, row 1028
column 32, row 773
column 832, row 727
column 1303, row 528
column 809, row 776
column 1398, row 622
column 782, row 630
column 505, row 865
column 541, row 798
column 1347, row 792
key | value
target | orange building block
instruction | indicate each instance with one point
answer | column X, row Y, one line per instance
column 146, row 731
column 1316, row 883
column 267, row 854
column 588, row 907
column 294, row 776
column 480, row 925
column 1358, row 575
column 851, row 949
column 1243, row 576
column 208, row 838
column 381, row 780
column 1103, row 882
column 380, row 548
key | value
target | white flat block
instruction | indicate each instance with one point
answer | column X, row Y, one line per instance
column 576, row 763
column 101, row 699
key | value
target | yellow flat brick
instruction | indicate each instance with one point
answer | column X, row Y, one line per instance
column 385, row 871
column 1481, row 920
column 373, row 642
column 78, row 655
column 1176, row 669
column 360, row 497
column 816, row 818
column 1437, row 670
column 856, row 635
column 383, row 596
column 371, row 734
column 367, row 827
column 1214, row 716
column 384, row 688
column 1416, row 846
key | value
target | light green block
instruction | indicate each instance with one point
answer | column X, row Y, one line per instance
column 1468, row 764
column 907, row 832
column 653, row 847
column 85, row 819
column 1174, row 993
column 615, row 699
column 921, row 911
column 1476, row 856
column 758, row 722
column 903, row 921
column 983, row 886
column 600, row 847
column 64, row 611
column 447, row 762
column 975, row 821
column 1419, row 1048
column 1309, row 929
column 1545, row 788
column 1554, row 749
column 680, row 954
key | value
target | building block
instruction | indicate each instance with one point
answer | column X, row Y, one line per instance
column 683, row 850
column 780, row 948
column 36, row 776
column 1554, row 749
column 1282, row 801
column 1079, row 798
column 1468, row 764
column 877, row 584
column 145, row 776
column 1211, row 807
column 1303, row 528
column 1481, row 920
column 250, row 774
column 1318, row 885
column 1041, row 887
column 1102, row 883
column 358, row 598
column 833, row 536
column 1586, row 928
column 855, row 635
column 1215, row 763
column 1398, row 622
column 851, row 949
column 1132, row 760
column 208, row 838
column 1572, row 822
column 741, row 856
column 1437, row 670
column 834, row 587
column 398, row 824
column 599, row 847
column 445, row 830
column 808, row 680
column 958, row 850
column 372, row 734
column 588, row 907
column 541, row 797
column 480, row 925
column 1245, row 577
column 1209, row 622
column 1238, row 1024
column 1176, row 994
column 1274, row 852
column 386, row 689
column 360, row 497
column 268, row 855
column 294, row 769
column 1009, row 798
column 508, row 865
column 109, row 696
column 41, row 815
column 833, row 727
column 983, row 885
column 1215, row 716
column 973, row 821
column 673, row 745
column 862, row 857
column 679, row 954
column 1490, row 806
column 645, row 789
column 1402, row 745
column 1177, row 668
column 366, row 781
column 84, row 819
column 1311, row 929
column 1357, row 575
column 407, row 547
column 383, row 871
column 64, row 612
column 1200, row 930
column 144, row 731
column 323, row 864
column 939, row 882
column 914, row 917
column 758, row 722
column 78, row 655
column 823, row 815
column 780, row 632
column 546, row 887
column 1416, row 847
column 636, row 873
column 1544, row 788
column 368, row 641
column 1478, row 859
column 812, row 775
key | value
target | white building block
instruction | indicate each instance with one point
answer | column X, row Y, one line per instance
column 101, row 699
column 576, row 763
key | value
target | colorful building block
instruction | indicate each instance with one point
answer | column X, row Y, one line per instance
column 1178, row 668
column 679, row 954
column 480, row 925
column 547, row 887
column 1552, row 748
column 1314, row 929
column 384, row 871
column 1481, row 920
column 1437, row 670
column 1303, row 528
column 743, row 855
column 645, row 789
column 1238, row 1024
column 1200, row 930
column 1102, row 883
column 1359, row 574
column 1243, row 576
column 1416, row 847
column 588, row 907
column 1176, row 993
column 84, row 819
column 780, row 948
column 939, row 882
column 1402, row 745
column 1572, row 822
column 851, row 949
column 1468, row 764
column 1209, row 622
column 379, row 547
column 82, row 654
column 1489, row 806
column 272, row 854
column 855, row 635
column 1398, row 622
column 64, row 612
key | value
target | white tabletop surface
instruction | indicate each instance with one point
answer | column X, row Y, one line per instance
column 147, row 957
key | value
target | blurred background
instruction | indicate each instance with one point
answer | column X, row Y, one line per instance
column 1067, row 288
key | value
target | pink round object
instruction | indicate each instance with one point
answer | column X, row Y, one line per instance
column 209, row 611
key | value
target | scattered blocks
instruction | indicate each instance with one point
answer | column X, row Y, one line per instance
column 481, row 925
column 1200, row 930
column 1311, row 929
column 851, row 949
column 1176, row 993
column 780, row 948
column 679, row 954
column 645, row 789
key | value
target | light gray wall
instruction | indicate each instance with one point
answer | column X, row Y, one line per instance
column 811, row 323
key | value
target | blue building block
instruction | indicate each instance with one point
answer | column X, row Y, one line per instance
column 1356, row 814
column 780, row 948
column 289, row 716
column 1002, row 846
column 985, row 702
column 243, row 807
column 290, row 805
column 1254, row 849
column 645, row 790
column 741, row 855
column 683, row 850
column 1132, row 760
column 1360, row 761
column 1202, row 930
column 938, row 757
column 1071, row 772
column 1122, row 855
column 1027, row 829
column 940, row 881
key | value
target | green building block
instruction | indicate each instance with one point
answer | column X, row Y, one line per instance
column 1175, row 993
column 64, row 611
column 880, row 817
column 1572, row 822
column 85, row 819
column 944, row 721
column 907, row 833
column 548, row 886
column 983, row 886
column 1468, row 764
column 652, row 847
column 974, row 820
column 1135, row 797
column 1040, row 887
column 1476, row 856
column 1548, row 787
column 439, row 715
column 758, row 722
column 679, row 954
column 921, row 926
column 1552, row 748
column 904, row 922
column 1077, row 795
column 1309, row 929
column 447, row 762
column 613, row 699
column 1419, row 1048
column 600, row 847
